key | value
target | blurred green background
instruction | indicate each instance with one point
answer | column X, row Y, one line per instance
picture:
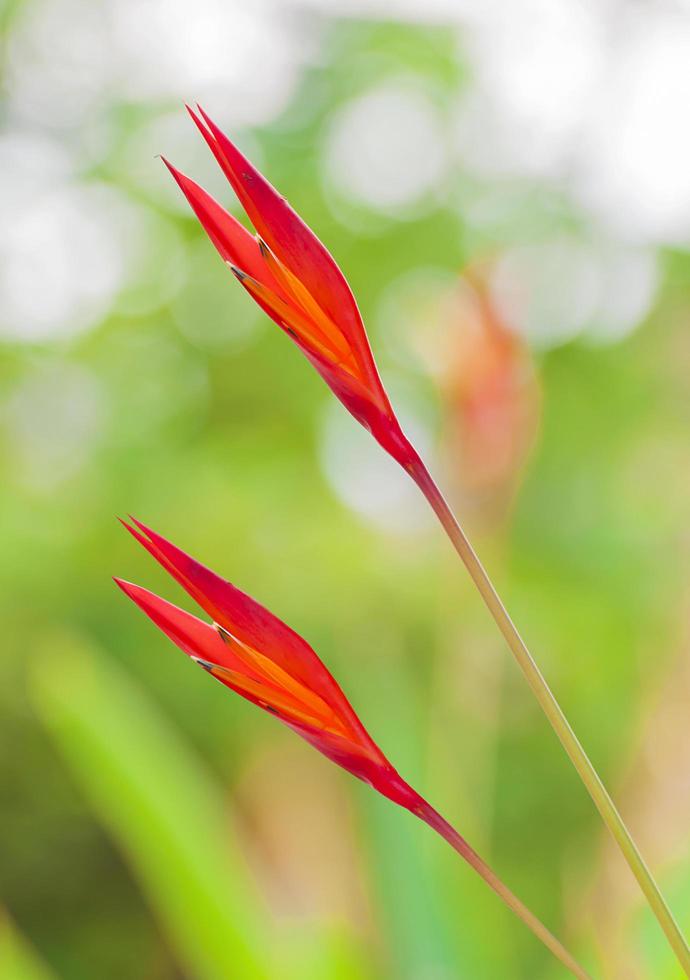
column 507, row 188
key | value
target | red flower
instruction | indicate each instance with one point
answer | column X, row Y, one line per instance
column 296, row 281
column 490, row 392
column 256, row 655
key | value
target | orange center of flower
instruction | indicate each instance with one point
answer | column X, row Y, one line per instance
column 278, row 690
column 301, row 314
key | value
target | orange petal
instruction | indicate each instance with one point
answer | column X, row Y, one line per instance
column 331, row 346
column 281, row 680
column 297, row 292
column 275, row 701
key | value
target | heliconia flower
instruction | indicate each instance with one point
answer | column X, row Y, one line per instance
column 296, row 281
column 255, row 654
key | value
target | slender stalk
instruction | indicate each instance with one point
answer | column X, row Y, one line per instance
column 433, row 818
column 552, row 710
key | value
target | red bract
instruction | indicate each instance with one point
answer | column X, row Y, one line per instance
column 490, row 392
column 296, row 281
column 256, row 655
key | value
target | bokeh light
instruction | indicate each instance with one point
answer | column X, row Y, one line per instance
column 386, row 148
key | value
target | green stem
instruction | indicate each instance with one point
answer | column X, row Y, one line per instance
column 438, row 823
column 552, row 710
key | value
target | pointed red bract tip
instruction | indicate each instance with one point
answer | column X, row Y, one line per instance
column 199, row 640
column 203, row 128
column 235, row 244
column 194, row 637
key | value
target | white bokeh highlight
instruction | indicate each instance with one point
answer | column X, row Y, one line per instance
column 52, row 421
column 247, row 55
column 386, row 149
column 63, row 259
column 536, row 66
column 557, row 290
column 634, row 164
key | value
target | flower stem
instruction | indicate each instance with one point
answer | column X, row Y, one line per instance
column 552, row 710
column 426, row 812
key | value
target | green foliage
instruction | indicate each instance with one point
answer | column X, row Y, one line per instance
column 161, row 807
column 18, row 961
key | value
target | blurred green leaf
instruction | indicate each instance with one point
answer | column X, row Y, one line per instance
column 321, row 954
column 18, row 961
column 160, row 806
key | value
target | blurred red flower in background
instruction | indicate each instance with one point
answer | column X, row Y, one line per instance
column 490, row 391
